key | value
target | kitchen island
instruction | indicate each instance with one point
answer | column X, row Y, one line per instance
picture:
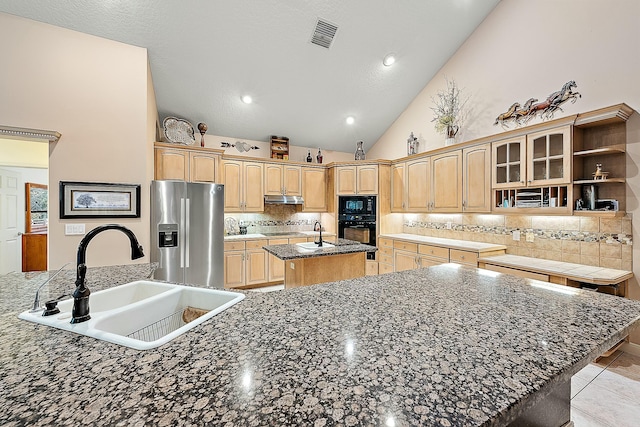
column 447, row 345
column 341, row 260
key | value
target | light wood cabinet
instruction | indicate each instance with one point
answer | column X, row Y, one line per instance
column 410, row 186
column 314, row 189
column 362, row 180
column 549, row 157
column 244, row 190
column 404, row 260
column 476, row 178
column 508, row 162
column 193, row 165
column 446, row 182
column 276, row 265
column 234, row 271
column 282, row 180
column 245, row 263
column 398, row 195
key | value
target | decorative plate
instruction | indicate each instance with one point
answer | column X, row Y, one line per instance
column 178, row 131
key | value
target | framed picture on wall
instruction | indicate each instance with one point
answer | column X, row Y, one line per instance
column 99, row 200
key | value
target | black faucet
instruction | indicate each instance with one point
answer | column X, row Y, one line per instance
column 80, row 312
column 318, row 227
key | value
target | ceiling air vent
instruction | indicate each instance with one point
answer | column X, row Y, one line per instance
column 323, row 33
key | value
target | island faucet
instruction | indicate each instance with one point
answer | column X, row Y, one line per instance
column 318, row 227
column 80, row 312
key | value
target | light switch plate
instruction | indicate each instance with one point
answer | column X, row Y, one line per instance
column 448, row 225
column 74, row 229
column 516, row 235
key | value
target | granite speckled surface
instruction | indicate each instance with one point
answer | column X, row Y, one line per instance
column 464, row 245
column 447, row 346
column 341, row 246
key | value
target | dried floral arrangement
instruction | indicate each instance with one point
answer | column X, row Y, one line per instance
column 448, row 109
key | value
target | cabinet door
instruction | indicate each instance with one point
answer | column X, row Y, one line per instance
column 314, row 189
column 403, row 260
column 367, row 179
column 292, row 180
column 346, row 180
column 171, row 164
column 418, row 191
column 508, row 162
column 203, row 167
column 446, row 182
column 256, row 265
column 232, row 180
column 429, row 262
column 276, row 265
column 398, row 194
column 253, row 188
column 273, row 184
column 233, row 268
column 476, row 180
column 549, row 157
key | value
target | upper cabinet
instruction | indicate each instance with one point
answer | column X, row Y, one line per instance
column 476, row 178
column 243, row 186
column 186, row 164
column 549, row 157
column 446, row 182
column 314, row 189
column 282, row 180
column 357, row 179
column 509, row 164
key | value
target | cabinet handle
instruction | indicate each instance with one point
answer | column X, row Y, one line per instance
column 464, row 204
column 461, row 256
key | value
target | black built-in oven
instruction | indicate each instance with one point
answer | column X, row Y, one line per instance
column 357, row 220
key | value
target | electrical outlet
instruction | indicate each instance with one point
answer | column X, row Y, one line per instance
column 73, row 229
column 530, row 237
column 293, row 266
column 448, row 225
column 516, row 235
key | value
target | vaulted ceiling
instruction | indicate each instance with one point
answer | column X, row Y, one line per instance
column 206, row 54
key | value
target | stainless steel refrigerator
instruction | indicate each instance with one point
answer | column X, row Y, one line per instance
column 187, row 232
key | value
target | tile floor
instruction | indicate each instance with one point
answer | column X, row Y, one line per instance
column 605, row 393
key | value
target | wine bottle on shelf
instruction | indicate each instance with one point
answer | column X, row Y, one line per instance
column 309, row 159
column 319, row 156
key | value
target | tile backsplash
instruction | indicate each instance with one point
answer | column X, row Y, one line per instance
column 276, row 218
column 604, row 242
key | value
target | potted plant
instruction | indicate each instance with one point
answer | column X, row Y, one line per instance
column 448, row 111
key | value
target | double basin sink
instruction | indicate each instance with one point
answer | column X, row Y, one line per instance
column 142, row 314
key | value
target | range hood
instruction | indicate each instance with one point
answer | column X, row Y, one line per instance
column 284, row 200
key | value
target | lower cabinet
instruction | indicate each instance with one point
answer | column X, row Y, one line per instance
column 256, row 265
column 245, row 263
column 276, row 265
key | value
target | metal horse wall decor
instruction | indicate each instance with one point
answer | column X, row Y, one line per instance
column 521, row 114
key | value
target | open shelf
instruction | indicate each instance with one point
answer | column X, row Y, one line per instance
column 601, row 181
column 603, row 151
column 280, row 147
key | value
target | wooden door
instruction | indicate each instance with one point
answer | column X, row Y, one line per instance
column 171, row 164
column 367, row 179
column 256, row 265
column 273, row 185
column 418, row 188
column 314, row 189
column 203, row 167
column 34, row 252
column 446, row 182
column 476, row 180
column 233, row 269
column 232, row 180
column 403, row 260
column 398, row 194
column 253, row 187
column 292, row 180
column 346, row 180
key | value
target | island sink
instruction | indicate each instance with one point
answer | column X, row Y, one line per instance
column 312, row 246
column 143, row 314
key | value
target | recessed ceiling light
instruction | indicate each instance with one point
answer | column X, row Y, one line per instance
column 247, row 99
column 350, row 120
column 389, row 59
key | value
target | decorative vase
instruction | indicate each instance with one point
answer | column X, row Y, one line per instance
column 412, row 145
column 359, row 154
column 451, row 133
column 202, row 127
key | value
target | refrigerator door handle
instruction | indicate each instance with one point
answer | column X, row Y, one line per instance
column 187, row 221
column 182, row 209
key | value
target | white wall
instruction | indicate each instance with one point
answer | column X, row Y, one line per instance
column 527, row 49
column 95, row 93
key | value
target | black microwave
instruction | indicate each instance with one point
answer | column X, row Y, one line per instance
column 357, row 205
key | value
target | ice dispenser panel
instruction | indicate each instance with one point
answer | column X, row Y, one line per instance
column 168, row 235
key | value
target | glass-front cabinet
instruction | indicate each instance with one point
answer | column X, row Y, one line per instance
column 509, row 163
column 549, row 157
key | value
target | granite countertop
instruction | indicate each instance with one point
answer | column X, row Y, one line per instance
column 463, row 245
column 446, row 345
column 578, row 272
column 276, row 235
column 341, row 246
